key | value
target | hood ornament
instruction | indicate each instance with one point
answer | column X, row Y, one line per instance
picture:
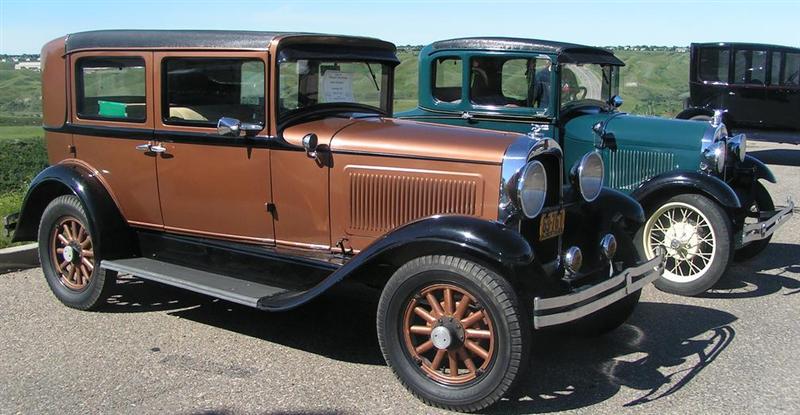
column 716, row 119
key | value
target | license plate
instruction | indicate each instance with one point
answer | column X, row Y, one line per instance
column 551, row 224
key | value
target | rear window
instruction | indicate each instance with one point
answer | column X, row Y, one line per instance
column 714, row 64
column 200, row 91
column 111, row 89
column 447, row 79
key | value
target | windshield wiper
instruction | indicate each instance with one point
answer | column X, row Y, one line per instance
column 374, row 80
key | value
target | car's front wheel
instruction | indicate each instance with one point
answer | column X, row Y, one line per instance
column 453, row 331
column 70, row 255
column 697, row 234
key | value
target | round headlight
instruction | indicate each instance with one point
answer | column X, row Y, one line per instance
column 532, row 188
column 715, row 155
column 587, row 174
column 738, row 146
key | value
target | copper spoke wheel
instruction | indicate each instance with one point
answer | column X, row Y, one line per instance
column 72, row 253
column 448, row 334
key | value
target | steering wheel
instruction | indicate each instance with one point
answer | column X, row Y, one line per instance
column 582, row 91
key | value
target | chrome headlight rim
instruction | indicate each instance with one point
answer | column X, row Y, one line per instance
column 738, row 146
column 716, row 156
column 532, row 177
column 580, row 176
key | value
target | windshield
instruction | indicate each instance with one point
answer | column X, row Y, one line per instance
column 308, row 83
column 594, row 82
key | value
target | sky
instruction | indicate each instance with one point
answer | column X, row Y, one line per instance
column 25, row 25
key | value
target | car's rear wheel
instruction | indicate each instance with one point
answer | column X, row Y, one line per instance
column 762, row 201
column 696, row 233
column 453, row 332
column 70, row 255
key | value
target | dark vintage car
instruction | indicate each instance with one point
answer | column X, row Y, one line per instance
column 701, row 192
column 263, row 169
column 758, row 87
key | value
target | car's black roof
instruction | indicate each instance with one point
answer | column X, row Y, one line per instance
column 204, row 39
column 567, row 52
column 763, row 46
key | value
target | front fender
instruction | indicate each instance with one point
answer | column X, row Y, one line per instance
column 611, row 204
column 490, row 241
column 687, row 181
column 760, row 170
column 105, row 221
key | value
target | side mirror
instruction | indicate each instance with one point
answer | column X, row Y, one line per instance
column 616, row 101
column 310, row 142
column 231, row 127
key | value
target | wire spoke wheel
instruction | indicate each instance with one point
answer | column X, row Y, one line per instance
column 688, row 237
column 449, row 335
column 72, row 253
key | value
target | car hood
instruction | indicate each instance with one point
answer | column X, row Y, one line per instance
column 646, row 133
column 403, row 138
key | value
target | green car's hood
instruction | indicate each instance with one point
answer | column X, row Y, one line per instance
column 642, row 133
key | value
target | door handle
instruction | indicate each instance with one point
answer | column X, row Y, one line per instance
column 143, row 147
column 158, row 149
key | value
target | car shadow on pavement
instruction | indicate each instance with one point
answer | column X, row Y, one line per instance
column 781, row 157
column 660, row 350
column 744, row 279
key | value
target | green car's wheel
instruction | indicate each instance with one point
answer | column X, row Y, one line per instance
column 697, row 234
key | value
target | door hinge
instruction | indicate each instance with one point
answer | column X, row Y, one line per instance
column 72, row 150
column 344, row 245
column 272, row 210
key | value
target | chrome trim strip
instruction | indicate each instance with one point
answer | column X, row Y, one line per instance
column 762, row 230
column 649, row 271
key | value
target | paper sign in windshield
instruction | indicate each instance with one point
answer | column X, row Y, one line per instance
column 337, row 86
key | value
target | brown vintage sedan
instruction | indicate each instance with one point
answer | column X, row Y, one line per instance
column 262, row 168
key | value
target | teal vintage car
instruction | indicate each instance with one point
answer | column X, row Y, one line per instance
column 702, row 193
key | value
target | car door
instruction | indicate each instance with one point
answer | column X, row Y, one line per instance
column 212, row 185
column 783, row 92
column 112, row 121
column 747, row 93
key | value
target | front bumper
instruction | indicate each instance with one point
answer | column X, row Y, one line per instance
column 570, row 307
column 764, row 228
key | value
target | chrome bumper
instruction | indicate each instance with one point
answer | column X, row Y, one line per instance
column 565, row 308
column 763, row 229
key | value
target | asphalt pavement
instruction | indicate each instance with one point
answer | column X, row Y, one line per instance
column 154, row 349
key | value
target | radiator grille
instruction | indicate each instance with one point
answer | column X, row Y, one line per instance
column 628, row 168
column 381, row 201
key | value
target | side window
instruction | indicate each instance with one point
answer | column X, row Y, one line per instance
column 200, row 91
column 447, row 79
column 111, row 88
column 714, row 64
column 775, row 69
column 791, row 71
column 514, row 79
column 750, row 67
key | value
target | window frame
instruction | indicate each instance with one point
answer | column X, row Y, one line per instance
column 79, row 90
column 164, row 85
column 527, row 112
column 729, row 63
column 748, row 73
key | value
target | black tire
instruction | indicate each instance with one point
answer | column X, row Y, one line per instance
column 700, row 117
column 605, row 320
column 92, row 293
column 495, row 297
column 762, row 201
column 720, row 232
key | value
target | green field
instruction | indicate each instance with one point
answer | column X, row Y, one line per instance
column 652, row 83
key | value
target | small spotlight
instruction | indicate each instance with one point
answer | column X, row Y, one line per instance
column 573, row 259
column 609, row 245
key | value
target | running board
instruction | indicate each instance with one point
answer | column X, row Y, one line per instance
column 235, row 290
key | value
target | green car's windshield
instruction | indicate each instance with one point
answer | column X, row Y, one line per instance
column 307, row 83
column 588, row 82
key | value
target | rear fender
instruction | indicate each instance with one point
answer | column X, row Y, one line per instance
column 105, row 221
